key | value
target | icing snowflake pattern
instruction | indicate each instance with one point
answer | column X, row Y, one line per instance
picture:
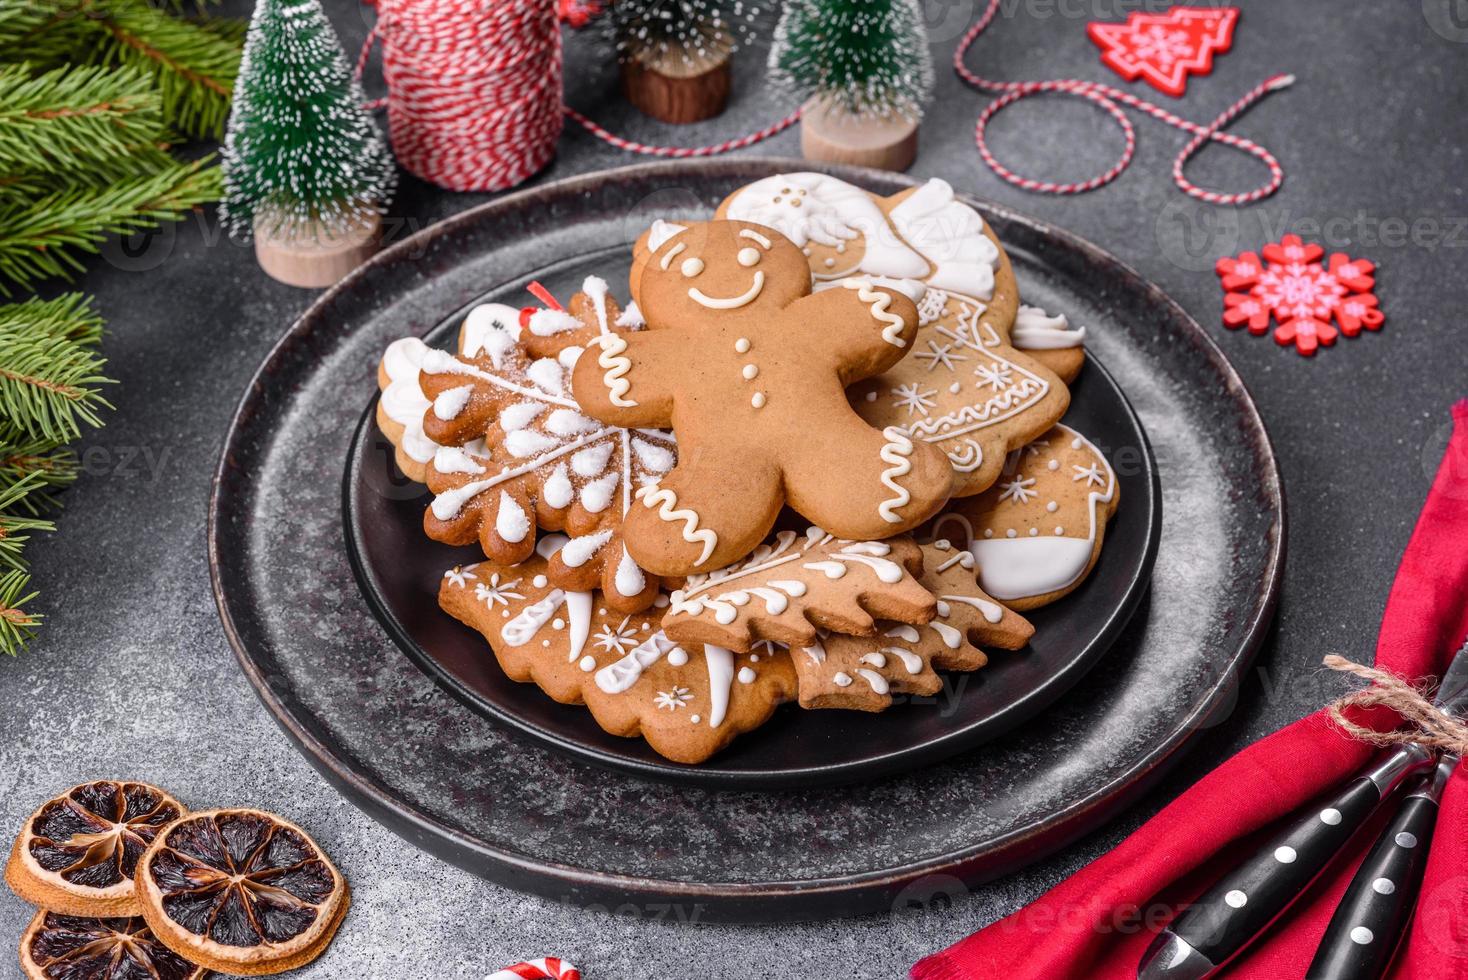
column 915, row 398
column 994, row 375
column 617, row 640
column 460, row 575
column 545, row 456
column 494, row 591
column 1019, row 490
column 1091, row 474
column 672, row 700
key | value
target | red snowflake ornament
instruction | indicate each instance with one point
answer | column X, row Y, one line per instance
column 1164, row 49
column 1290, row 285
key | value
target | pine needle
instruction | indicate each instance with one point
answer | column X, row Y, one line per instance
column 49, row 386
column 74, row 118
column 42, row 467
column 70, row 315
column 17, row 625
column 38, row 237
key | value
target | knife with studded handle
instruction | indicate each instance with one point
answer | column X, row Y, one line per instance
column 1369, row 922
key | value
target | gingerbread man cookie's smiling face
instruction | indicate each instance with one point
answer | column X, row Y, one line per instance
column 691, row 273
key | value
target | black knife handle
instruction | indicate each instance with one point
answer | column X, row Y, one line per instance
column 1244, row 902
column 1369, row 922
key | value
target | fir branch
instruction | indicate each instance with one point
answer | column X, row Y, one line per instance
column 43, row 468
column 193, row 65
column 70, row 316
column 74, row 118
column 17, row 625
column 49, row 386
column 39, row 236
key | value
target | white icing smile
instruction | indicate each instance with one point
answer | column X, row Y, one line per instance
column 730, row 302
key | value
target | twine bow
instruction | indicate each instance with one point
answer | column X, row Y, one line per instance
column 1430, row 727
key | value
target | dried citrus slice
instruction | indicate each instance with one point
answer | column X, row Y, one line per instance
column 241, row 891
column 67, row 947
column 78, row 852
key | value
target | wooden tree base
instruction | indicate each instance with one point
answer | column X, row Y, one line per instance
column 829, row 135
column 313, row 257
column 675, row 92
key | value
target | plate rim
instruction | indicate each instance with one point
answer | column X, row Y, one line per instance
column 733, row 901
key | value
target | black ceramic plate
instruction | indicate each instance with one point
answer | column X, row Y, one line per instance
column 487, row 797
column 400, row 574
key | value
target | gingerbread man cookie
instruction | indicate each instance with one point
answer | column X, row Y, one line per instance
column 750, row 368
column 965, row 388
column 687, row 700
column 1036, row 534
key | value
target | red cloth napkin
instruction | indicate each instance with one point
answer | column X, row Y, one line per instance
column 1097, row 924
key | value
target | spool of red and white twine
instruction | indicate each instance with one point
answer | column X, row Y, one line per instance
column 475, row 88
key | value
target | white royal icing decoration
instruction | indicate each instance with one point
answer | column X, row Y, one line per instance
column 403, row 400
column 1034, row 329
column 896, row 455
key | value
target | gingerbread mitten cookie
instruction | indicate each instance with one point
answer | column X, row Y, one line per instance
column 864, row 672
column 687, row 700
column 965, row 388
column 749, row 368
column 548, row 466
column 1036, row 534
column 797, row 583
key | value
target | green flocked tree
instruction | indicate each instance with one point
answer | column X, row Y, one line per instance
column 674, row 33
column 301, row 152
column 864, row 57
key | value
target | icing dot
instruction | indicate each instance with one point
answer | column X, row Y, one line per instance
column 661, row 602
column 750, row 370
column 943, row 609
column 754, row 658
column 746, row 676
column 1383, row 886
column 558, row 624
column 841, row 248
column 545, row 643
column 871, row 396
column 758, row 401
column 587, row 664
column 1406, row 840
column 1011, row 533
column 1330, row 815
column 1054, row 464
column 1285, row 855
column 505, row 613
column 804, row 251
column 691, row 267
column 695, row 719
column 1075, row 443
column 677, row 656
column 830, row 263
column 1236, row 899
column 842, row 679
column 646, row 627
column 1362, row 936
column 742, row 345
column 748, row 257
column 988, row 532
column 1034, row 531
column 955, row 388
column 539, row 581
column 601, row 612
column 1059, row 530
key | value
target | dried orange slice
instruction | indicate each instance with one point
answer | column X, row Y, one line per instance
column 241, row 891
column 67, row 947
column 78, row 852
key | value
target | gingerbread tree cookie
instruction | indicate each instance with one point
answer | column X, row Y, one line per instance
column 688, row 700
column 795, row 584
column 864, row 672
column 514, row 454
column 750, row 370
column 965, row 388
column 1037, row 533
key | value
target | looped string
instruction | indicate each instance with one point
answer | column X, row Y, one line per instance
column 1430, row 727
column 1110, row 100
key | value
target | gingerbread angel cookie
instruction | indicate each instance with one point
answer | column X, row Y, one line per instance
column 1036, row 534
column 689, row 701
column 511, row 452
column 750, row 368
column 965, row 388
column 864, row 672
column 795, row 584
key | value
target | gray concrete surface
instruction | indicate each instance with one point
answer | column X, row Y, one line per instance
column 132, row 676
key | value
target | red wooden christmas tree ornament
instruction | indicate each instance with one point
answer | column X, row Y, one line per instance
column 1164, row 49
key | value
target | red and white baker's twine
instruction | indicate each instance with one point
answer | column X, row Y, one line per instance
column 547, row 968
column 1107, row 97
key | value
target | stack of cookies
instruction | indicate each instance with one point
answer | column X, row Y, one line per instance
column 816, row 457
